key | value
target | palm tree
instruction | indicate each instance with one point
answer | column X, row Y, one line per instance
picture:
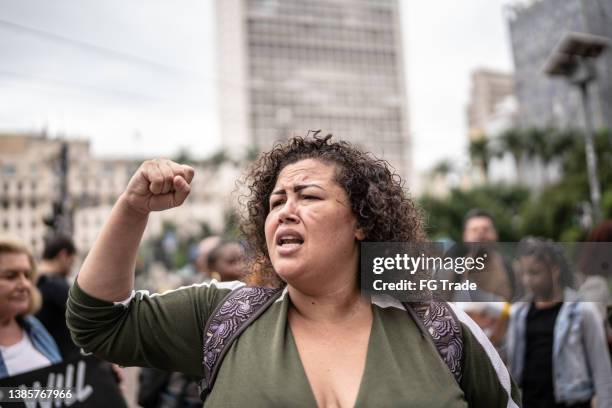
column 480, row 154
column 443, row 168
column 513, row 141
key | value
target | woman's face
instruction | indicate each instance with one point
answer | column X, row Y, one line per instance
column 538, row 277
column 15, row 284
column 311, row 232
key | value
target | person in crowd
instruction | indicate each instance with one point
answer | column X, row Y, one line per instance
column 25, row 344
column 557, row 351
column 596, row 266
column 226, row 262
column 204, row 248
column 58, row 257
column 318, row 342
column 498, row 278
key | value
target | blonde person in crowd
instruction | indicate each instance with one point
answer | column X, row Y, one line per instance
column 25, row 344
column 313, row 340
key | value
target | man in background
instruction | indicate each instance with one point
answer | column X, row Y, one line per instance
column 58, row 258
column 479, row 233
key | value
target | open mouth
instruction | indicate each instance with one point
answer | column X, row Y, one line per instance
column 289, row 240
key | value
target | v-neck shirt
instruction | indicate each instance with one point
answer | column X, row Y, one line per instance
column 263, row 368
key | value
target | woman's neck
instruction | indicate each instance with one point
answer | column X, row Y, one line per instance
column 331, row 306
column 10, row 332
column 552, row 300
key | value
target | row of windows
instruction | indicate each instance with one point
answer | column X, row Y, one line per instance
column 325, row 51
column 322, row 11
column 312, row 29
column 19, row 203
column 20, row 223
column 19, row 185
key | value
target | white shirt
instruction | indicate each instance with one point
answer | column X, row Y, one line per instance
column 22, row 357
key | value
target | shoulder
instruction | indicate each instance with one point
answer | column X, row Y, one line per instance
column 486, row 379
column 32, row 324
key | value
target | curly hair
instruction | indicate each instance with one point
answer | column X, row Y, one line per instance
column 378, row 199
column 549, row 253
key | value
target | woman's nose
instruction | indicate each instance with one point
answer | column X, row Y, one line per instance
column 287, row 212
column 23, row 281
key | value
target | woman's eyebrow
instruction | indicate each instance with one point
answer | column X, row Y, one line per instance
column 297, row 188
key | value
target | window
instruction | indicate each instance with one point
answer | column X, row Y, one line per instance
column 9, row 170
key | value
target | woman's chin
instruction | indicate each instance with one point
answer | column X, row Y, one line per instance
column 288, row 272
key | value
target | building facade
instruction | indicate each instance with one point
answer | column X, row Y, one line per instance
column 30, row 183
column 535, row 29
column 491, row 91
column 290, row 66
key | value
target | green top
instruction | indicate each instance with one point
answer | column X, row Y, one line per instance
column 263, row 368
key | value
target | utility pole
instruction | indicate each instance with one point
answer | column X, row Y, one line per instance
column 60, row 221
column 574, row 59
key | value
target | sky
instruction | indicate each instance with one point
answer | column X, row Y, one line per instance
column 138, row 77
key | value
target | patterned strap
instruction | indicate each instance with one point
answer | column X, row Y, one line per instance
column 233, row 315
column 244, row 305
column 439, row 321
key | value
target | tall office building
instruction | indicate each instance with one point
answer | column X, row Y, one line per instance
column 490, row 91
column 535, row 29
column 289, row 66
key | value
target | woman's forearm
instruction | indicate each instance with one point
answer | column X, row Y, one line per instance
column 108, row 270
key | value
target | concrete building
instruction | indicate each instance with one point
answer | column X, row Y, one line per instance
column 490, row 90
column 290, row 66
column 535, row 28
column 29, row 183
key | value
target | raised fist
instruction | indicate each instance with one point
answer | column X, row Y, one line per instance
column 158, row 185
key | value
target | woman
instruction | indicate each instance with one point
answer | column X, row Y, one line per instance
column 25, row 345
column 556, row 343
column 310, row 202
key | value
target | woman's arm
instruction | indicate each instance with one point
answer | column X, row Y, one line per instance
column 108, row 271
column 596, row 351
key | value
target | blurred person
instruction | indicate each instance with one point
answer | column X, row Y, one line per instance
column 596, row 267
column 58, row 257
column 25, row 344
column 556, row 346
column 159, row 388
column 204, row 248
column 498, row 279
column 317, row 342
column 226, row 262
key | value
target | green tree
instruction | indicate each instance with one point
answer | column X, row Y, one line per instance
column 481, row 154
column 513, row 141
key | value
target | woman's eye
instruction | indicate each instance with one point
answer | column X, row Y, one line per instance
column 309, row 197
column 276, row 203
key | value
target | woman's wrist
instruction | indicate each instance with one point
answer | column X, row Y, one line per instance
column 125, row 208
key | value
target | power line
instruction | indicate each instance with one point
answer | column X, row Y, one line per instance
column 72, row 84
column 109, row 52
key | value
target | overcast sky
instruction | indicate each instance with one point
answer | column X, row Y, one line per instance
column 149, row 88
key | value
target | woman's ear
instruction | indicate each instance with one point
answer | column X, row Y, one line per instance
column 359, row 234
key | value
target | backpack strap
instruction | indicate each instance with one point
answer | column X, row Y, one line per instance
column 231, row 317
column 244, row 305
column 439, row 323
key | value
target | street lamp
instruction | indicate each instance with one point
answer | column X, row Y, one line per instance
column 574, row 58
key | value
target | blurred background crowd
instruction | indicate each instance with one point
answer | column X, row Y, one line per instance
column 521, row 149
